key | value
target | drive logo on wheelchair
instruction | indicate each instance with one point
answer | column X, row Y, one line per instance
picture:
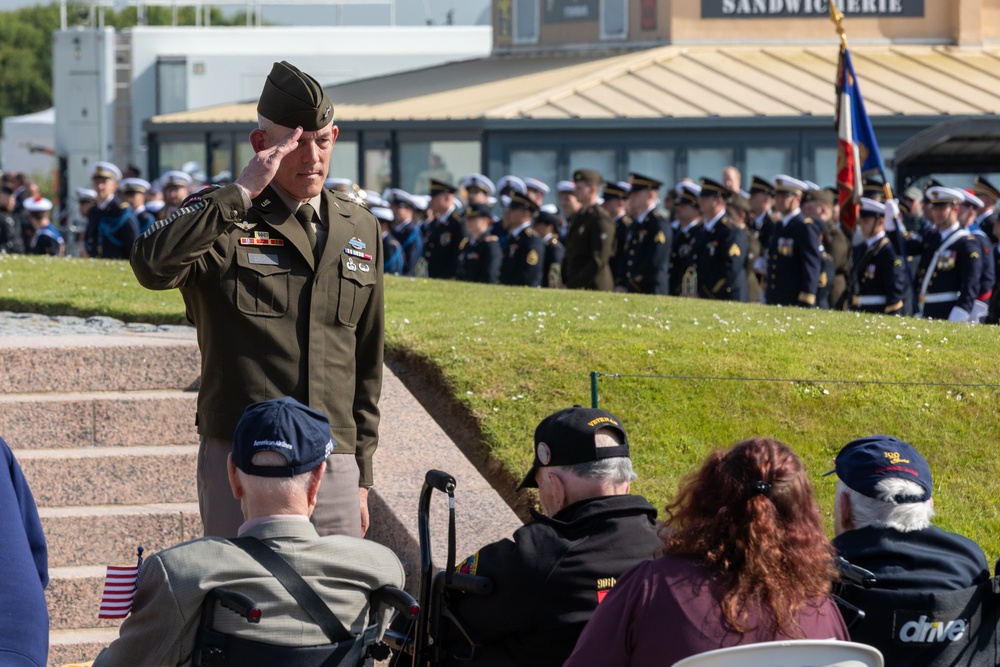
column 923, row 630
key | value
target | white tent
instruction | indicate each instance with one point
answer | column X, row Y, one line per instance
column 27, row 143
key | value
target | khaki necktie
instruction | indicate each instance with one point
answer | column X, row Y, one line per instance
column 306, row 215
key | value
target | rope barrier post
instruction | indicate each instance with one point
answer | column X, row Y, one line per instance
column 594, row 403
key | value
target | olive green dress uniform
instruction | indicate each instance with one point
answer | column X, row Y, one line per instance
column 590, row 245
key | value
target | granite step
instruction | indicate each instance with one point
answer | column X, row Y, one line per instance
column 78, row 645
column 98, row 419
column 111, row 475
column 133, row 362
column 114, row 531
column 74, row 595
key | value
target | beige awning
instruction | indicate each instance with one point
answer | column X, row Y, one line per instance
column 665, row 82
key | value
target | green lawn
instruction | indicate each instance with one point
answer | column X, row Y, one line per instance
column 511, row 356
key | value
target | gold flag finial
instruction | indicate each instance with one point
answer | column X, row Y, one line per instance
column 837, row 17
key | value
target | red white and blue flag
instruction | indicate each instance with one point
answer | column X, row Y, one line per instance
column 857, row 149
column 119, row 590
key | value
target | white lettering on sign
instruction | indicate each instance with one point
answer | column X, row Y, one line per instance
column 785, row 8
column 576, row 11
column 923, row 632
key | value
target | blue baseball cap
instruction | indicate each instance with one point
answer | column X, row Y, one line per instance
column 864, row 462
column 283, row 425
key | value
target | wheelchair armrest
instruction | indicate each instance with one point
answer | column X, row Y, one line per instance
column 854, row 574
column 241, row 604
column 398, row 599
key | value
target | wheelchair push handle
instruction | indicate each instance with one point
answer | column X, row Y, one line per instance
column 237, row 602
column 440, row 480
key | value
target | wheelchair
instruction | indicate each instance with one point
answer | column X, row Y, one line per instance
column 921, row 628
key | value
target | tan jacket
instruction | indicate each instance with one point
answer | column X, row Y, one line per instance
column 173, row 583
column 270, row 321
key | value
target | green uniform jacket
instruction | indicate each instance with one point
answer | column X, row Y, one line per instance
column 590, row 245
column 270, row 322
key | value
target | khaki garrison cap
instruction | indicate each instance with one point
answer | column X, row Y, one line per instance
column 292, row 98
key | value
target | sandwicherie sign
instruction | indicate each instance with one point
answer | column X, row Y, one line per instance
column 719, row 9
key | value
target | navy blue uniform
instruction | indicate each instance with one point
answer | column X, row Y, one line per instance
column 10, row 234
column 647, row 267
column 522, row 259
column 793, row 263
column 550, row 577
column 954, row 276
column 683, row 251
column 721, row 263
column 988, row 276
column 47, row 241
column 111, row 231
column 144, row 219
column 392, row 250
column 623, row 228
column 479, row 260
column 444, row 236
column 827, row 272
column 878, row 282
column 555, row 253
column 408, row 235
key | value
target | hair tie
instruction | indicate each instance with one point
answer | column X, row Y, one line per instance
column 761, row 487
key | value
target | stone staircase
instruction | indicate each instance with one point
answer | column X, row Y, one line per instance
column 103, row 427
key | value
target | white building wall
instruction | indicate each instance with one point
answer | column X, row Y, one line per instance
column 20, row 133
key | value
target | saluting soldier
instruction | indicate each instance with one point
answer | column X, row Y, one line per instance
column 793, row 256
column 479, row 254
column 133, row 191
column 445, row 231
column 111, row 227
column 547, row 226
column 951, row 262
column 721, row 258
column 689, row 235
column 614, row 203
column 405, row 230
column 590, row 240
column 877, row 282
column 647, row 264
column 522, row 257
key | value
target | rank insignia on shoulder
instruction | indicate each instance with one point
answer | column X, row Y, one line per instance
column 734, row 251
column 357, row 243
column 532, row 258
column 245, row 225
column 660, row 237
column 469, row 565
column 357, row 253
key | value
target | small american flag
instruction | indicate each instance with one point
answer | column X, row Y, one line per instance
column 119, row 590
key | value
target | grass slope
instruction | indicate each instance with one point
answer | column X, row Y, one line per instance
column 512, row 356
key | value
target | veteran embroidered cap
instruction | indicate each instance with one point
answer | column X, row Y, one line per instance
column 864, row 462
column 292, row 98
column 569, row 437
column 283, row 425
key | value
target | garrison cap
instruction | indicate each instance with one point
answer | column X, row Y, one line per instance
column 569, row 437
column 783, row 183
column 535, row 184
column 105, row 170
column 640, row 182
column 478, row 211
column 134, row 186
column 283, row 425
column 617, row 190
column 82, row 194
column 292, row 98
column 714, row 188
column 687, row 193
column 871, row 208
column 513, row 183
column 822, row 195
column 37, row 204
column 438, row 187
column 588, row 176
column 479, row 181
column 759, row 184
column 941, row 195
column 981, row 187
column 518, row 200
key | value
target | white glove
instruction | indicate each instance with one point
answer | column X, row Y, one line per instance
column 958, row 315
column 760, row 265
column 891, row 211
column 979, row 311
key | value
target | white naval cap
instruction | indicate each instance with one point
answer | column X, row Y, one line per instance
column 175, row 177
column 812, row 186
column 942, row 195
column 134, row 185
column 565, row 186
column 337, row 182
column 105, row 170
column 972, row 200
column 688, row 192
column 155, row 206
column 479, row 181
column 871, row 207
column 512, row 182
column 223, row 176
column 549, row 208
column 421, row 202
column 400, row 196
column 784, row 183
column 86, row 194
column 375, row 199
column 37, row 204
column 535, row 184
column 382, row 213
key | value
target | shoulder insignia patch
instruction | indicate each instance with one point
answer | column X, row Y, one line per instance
column 660, row 237
column 897, row 262
column 734, row 250
column 974, row 255
column 532, row 258
column 808, row 221
column 469, row 565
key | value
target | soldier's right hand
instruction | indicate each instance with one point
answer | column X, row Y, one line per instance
column 264, row 165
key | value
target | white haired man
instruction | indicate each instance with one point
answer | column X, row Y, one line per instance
column 882, row 520
column 551, row 576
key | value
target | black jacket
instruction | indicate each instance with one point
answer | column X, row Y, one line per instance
column 550, row 577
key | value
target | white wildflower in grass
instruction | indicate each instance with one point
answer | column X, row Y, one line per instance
column 649, row 352
column 470, row 393
column 406, row 320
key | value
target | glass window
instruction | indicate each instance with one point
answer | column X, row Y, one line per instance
column 708, row 162
column 767, row 162
column 176, row 152
column 221, row 154
column 244, row 153
column 525, row 21
column 171, row 84
column 449, row 161
column 536, row 164
column 344, row 160
column 378, row 169
column 602, row 160
column 658, row 164
column 824, row 166
column 614, row 19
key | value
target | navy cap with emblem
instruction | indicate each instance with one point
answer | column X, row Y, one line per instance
column 283, row 425
column 517, row 200
column 569, row 437
column 710, row 188
column 478, row 211
column 760, row 184
column 292, row 98
column 438, row 187
column 864, row 462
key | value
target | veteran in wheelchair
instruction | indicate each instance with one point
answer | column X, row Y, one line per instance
column 298, row 598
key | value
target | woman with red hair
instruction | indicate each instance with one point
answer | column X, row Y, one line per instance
column 744, row 560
